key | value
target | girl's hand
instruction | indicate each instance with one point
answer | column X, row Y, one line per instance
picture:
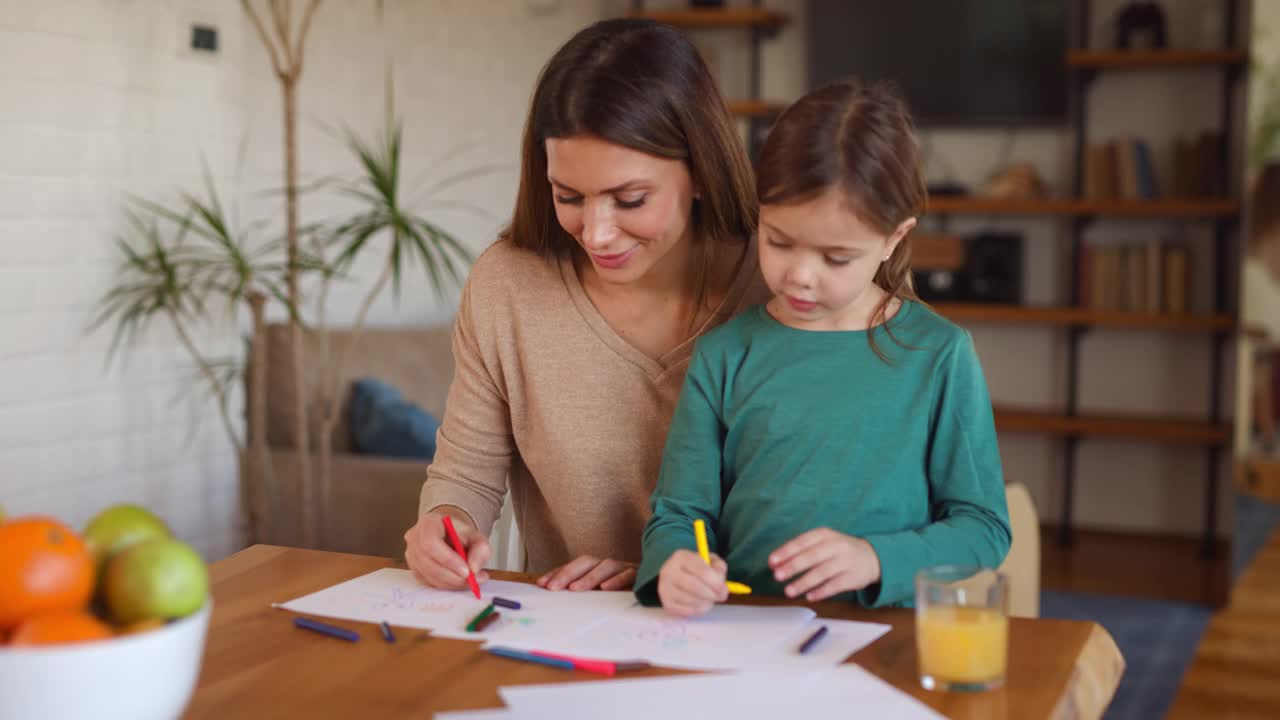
column 687, row 586
column 828, row 563
column 590, row 573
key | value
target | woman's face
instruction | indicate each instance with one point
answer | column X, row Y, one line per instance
column 627, row 209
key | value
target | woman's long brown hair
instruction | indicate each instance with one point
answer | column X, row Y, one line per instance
column 859, row 139
column 641, row 85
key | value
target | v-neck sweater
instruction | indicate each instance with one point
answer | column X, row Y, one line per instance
column 550, row 401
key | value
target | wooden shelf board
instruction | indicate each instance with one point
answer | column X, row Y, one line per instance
column 711, row 17
column 1118, row 426
column 1190, row 207
column 754, row 108
column 1154, row 59
column 1080, row 317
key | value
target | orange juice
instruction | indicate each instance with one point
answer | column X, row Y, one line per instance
column 962, row 645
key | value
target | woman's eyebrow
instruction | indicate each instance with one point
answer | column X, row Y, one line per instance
column 628, row 185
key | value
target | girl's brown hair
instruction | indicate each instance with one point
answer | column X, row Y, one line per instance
column 641, row 85
column 860, row 139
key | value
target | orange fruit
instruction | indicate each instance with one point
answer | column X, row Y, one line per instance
column 44, row 568
column 60, row 627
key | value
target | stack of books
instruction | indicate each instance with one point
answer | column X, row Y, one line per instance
column 1149, row 277
column 1123, row 169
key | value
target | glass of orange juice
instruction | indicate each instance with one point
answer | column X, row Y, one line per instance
column 962, row 628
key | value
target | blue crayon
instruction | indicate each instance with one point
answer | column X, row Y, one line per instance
column 813, row 639
column 325, row 629
column 529, row 657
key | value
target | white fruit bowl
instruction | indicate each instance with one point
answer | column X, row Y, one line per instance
column 146, row 676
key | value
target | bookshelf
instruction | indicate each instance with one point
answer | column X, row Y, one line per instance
column 1154, row 429
column 754, row 108
column 1208, row 208
column 760, row 22
column 978, row 313
column 722, row 17
column 1154, row 59
column 1219, row 210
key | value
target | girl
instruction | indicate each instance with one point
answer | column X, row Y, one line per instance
column 839, row 438
column 630, row 238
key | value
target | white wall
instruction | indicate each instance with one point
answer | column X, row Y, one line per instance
column 103, row 97
column 1119, row 484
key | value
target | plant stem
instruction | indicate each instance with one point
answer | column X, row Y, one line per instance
column 261, row 491
column 210, row 376
column 301, row 438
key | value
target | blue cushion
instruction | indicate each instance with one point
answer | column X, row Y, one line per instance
column 384, row 423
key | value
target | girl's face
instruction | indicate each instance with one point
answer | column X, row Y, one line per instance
column 627, row 209
column 820, row 261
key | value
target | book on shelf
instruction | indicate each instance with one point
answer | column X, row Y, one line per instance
column 1143, row 277
column 1120, row 169
column 1176, row 268
column 1197, row 166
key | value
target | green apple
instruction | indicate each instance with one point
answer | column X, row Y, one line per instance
column 120, row 527
column 161, row 579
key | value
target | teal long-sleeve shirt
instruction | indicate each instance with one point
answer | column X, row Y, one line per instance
column 780, row 430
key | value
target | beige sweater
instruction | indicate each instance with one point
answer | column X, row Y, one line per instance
column 546, row 396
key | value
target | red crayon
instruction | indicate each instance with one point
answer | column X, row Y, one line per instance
column 602, row 667
column 457, row 545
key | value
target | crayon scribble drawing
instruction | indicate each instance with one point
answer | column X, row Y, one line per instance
column 665, row 633
column 413, row 599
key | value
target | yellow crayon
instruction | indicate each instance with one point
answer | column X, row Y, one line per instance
column 700, row 533
column 700, row 530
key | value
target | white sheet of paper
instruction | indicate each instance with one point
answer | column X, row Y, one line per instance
column 701, row 696
column 843, row 638
column 728, row 637
column 544, row 617
column 502, row 714
column 602, row 625
column 742, row 696
column 395, row 596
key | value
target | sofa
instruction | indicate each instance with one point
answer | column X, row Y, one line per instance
column 371, row 500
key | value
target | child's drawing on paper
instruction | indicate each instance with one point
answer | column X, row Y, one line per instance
column 416, row 599
column 665, row 633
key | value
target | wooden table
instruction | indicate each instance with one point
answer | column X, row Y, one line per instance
column 256, row 664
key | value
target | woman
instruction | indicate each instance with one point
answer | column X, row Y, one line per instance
column 630, row 238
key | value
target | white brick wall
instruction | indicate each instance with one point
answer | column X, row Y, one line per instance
column 102, row 97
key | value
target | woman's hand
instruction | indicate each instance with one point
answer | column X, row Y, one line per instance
column 687, row 586
column 590, row 573
column 431, row 556
column 828, row 563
